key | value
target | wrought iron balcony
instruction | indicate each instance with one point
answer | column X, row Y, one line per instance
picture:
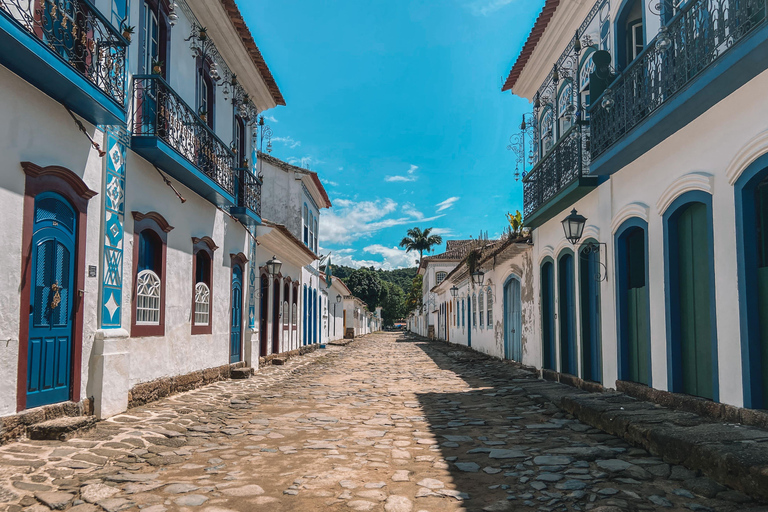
column 167, row 132
column 559, row 178
column 248, row 208
column 70, row 51
column 701, row 34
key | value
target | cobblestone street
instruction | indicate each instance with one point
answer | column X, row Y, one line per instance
column 387, row 423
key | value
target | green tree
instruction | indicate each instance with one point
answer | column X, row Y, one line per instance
column 392, row 302
column 418, row 240
column 415, row 297
column 365, row 285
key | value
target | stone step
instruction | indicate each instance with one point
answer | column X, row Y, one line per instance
column 278, row 361
column 60, row 429
column 242, row 373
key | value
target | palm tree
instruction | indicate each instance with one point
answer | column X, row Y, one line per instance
column 418, row 240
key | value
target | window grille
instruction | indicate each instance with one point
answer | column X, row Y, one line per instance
column 440, row 277
column 481, row 298
column 147, row 298
column 202, row 304
column 489, row 316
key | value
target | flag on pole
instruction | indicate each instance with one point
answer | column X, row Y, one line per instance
column 328, row 273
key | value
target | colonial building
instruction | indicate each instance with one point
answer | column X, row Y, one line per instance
column 336, row 312
column 490, row 309
column 135, row 249
column 648, row 135
column 293, row 198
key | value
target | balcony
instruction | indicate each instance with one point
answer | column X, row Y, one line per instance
column 169, row 134
column 559, row 179
column 248, row 209
column 68, row 50
column 715, row 47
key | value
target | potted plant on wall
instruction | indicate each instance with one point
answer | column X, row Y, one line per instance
column 157, row 67
column 203, row 114
column 128, row 31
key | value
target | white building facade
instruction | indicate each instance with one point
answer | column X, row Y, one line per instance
column 657, row 137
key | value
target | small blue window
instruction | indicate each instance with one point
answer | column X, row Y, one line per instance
column 150, row 247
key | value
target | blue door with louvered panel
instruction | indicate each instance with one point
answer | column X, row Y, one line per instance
column 49, row 354
column 236, row 329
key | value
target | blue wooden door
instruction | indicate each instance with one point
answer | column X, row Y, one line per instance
column 513, row 347
column 548, row 316
column 589, row 267
column 567, row 315
column 51, row 309
column 469, row 314
column 236, row 329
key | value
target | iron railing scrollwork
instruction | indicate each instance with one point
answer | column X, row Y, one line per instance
column 558, row 169
column 698, row 34
column 160, row 112
column 77, row 32
column 249, row 190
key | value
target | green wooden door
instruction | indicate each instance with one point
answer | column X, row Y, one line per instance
column 638, row 318
column 693, row 276
column 761, row 203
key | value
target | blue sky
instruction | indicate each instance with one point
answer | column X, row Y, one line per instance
column 398, row 106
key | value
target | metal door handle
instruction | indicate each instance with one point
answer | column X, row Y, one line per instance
column 56, row 295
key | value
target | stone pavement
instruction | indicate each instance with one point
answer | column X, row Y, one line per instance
column 389, row 423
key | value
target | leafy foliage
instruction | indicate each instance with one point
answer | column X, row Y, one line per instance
column 418, row 240
column 415, row 298
column 366, row 285
column 392, row 302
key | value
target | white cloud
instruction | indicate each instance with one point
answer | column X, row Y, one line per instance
column 271, row 119
column 444, row 232
column 486, row 7
column 447, row 204
column 352, row 220
column 410, row 175
column 329, row 182
column 288, row 141
column 410, row 209
column 304, row 162
column 393, row 258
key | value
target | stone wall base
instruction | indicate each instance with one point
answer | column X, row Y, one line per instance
column 147, row 392
column 18, row 425
column 285, row 356
column 693, row 404
column 571, row 380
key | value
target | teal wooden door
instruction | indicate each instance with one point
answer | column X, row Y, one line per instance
column 548, row 316
column 693, row 292
column 761, row 236
column 513, row 348
column 236, row 329
column 469, row 314
column 49, row 356
column 567, row 309
column 635, row 297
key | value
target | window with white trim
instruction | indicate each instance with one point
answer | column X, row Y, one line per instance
column 147, row 298
column 202, row 304
column 440, row 277
column 489, row 315
column 474, row 311
column 481, row 299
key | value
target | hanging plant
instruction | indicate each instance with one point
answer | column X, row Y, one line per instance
column 128, row 31
column 157, row 67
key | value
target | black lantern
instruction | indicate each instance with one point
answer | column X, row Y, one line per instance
column 573, row 225
column 338, row 299
column 274, row 266
column 454, row 292
column 477, row 277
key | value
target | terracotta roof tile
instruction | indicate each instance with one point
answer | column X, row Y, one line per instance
column 545, row 16
column 250, row 45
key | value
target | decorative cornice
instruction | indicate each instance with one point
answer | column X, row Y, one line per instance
column 638, row 210
column 154, row 216
column 64, row 174
column 546, row 252
column 207, row 241
column 238, row 258
column 754, row 149
column 687, row 183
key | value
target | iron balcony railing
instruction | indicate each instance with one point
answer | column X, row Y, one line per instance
column 565, row 163
column 248, row 190
column 77, row 32
column 699, row 34
column 160, row 112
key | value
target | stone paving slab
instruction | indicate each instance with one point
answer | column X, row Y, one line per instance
column 389, row 423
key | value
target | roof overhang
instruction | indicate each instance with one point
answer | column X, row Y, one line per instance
column 277, row 239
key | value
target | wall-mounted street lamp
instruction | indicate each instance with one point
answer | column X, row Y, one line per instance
column 454, row 292
column 573, row 226
column 338, row 299
column 477, row 277
column 274, row 266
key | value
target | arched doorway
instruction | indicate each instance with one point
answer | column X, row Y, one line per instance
column 589, row 287
column 633, row 302
column 276, row 306
column 236, row 325
column 263, row 315
column 513, row 347
column 567, row 313
column 548, row 314
column 691, row 324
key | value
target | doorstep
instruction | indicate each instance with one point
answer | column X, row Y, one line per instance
column 20, row 425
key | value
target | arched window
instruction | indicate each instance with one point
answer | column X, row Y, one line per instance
column 630, row 33
column 463, row 314
column 305, row 221
column 155, row 38
column 546, row 135
column 317, row 235
column 489, row 315
column 149, row 252
column 148, row 290
column 206, row 93
column 440, row 277
column 565, row 106
column 202, row 272
column 474, row 311
column 202, row 304
column 240, row 141
column 481, row 299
